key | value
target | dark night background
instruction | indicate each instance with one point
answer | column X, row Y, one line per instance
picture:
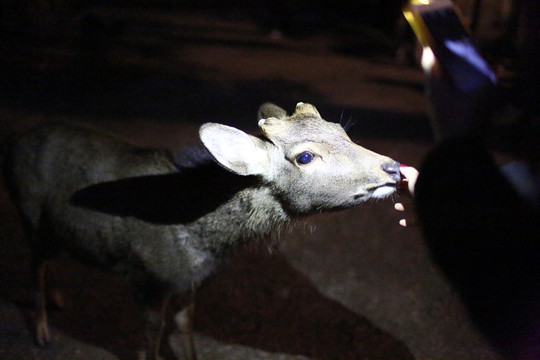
column 348, row 285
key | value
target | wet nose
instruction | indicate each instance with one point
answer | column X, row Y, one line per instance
column 392, row 169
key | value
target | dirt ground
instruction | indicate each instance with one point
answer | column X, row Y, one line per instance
column 347, row 285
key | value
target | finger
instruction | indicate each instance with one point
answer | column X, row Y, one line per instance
column 410, row 223
column 411, row 174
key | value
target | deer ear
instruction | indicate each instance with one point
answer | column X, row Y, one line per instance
column 237, row 151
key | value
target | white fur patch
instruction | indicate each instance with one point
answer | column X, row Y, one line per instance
column 383, row 191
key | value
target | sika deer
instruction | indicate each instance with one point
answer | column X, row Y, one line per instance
column 166, row 220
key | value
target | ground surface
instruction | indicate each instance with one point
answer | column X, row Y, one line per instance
column 347, row 285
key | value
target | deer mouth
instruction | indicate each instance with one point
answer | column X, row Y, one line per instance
column 383, row 191
column 376, row 192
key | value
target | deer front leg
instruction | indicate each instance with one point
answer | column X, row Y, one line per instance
column 184, row 322
column 42, row 334
column 154, row 327
column 54, row 296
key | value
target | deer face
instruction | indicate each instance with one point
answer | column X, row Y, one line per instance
column 309, row 163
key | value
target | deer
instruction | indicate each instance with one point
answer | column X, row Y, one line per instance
column 165, row 220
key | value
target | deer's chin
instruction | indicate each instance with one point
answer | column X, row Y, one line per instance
column 383, row 191
column 379, row 192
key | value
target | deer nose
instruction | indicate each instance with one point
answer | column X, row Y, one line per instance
column 392, row 169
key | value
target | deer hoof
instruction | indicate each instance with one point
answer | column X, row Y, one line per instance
column 43, row 335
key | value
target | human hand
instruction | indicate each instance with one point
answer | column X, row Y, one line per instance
column 406, row 189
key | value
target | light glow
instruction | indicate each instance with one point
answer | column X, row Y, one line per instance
column 428, row 59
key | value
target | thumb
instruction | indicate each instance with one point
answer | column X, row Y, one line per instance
column 411, row 175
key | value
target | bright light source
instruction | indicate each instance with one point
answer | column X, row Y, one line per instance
column 428, row 59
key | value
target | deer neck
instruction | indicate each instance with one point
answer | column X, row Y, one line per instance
column 250, row 214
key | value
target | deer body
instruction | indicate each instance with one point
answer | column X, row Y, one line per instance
column 175, row 254
column 165, row 221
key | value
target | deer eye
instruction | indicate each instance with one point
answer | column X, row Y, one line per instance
column 304, row 158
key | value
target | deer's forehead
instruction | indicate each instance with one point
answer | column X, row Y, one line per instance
column 301, row 128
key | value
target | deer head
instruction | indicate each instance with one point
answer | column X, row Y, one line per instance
column 308, row 163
